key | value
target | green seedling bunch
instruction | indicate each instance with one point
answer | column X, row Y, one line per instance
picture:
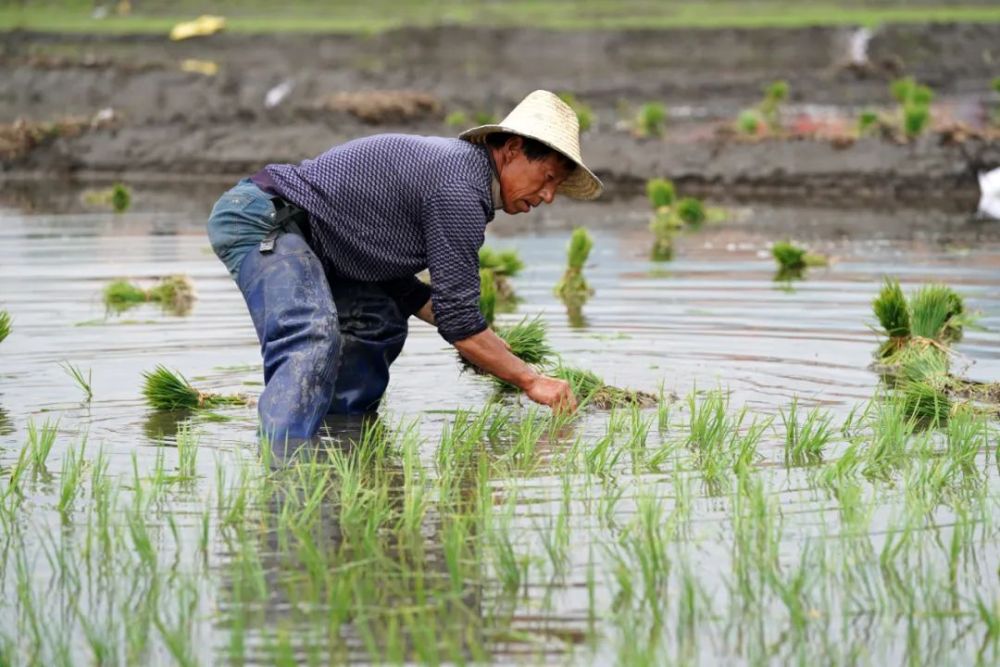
column 793, row 260
column 584, row 114
column 691, row 211
column 868, row 121
column 934, row 315
column 749, row 122
column 174, row 293
column 914, row 105
column 591, row 390
column 118, row 197
column 457, row 119
column 661, row 193
column 572, row 287
column 651, row 120
column 167, row 390
column 5, row 324
column 775, row 94
column 487, row 294
column 527, row 340
column 501, row 262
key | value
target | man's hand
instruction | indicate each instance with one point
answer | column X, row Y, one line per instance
column 491, row 353
column 552, row 392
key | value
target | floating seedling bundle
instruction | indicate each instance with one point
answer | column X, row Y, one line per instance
column 671, row 215
column 573, row 287
column 166, row 390
column 793, row 260
column 590, row 389
column 174, row 293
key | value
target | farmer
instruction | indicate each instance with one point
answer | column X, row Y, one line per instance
column 325, row 253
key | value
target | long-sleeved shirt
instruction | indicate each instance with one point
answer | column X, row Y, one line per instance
column 386, row 207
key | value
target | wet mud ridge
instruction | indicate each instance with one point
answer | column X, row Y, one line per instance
column 143, row 108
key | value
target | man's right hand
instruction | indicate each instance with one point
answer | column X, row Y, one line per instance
column 552, row 392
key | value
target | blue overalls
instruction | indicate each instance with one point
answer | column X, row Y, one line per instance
column 327, row 342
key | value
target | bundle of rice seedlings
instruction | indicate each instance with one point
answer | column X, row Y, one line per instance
column 749, row 122
column 5, row 323
column 691, row 211
column 924, row 401
column 937, row 312
column 793, row 260
column 650, row 120
column 527, row 341
column 572, row 286
column 487, row 294
column 891, row 309
column 868, row 120
column 770, row 107
column 661, row 192
column 121, row 198
column 175, row 293
column 167, row 390
column 502, row 262
column 589, row 388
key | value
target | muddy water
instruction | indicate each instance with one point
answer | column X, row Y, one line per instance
column 714, row 317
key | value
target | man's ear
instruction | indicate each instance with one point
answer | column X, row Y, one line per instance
column 514, row 145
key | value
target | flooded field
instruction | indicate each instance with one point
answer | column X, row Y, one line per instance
column 775, row 507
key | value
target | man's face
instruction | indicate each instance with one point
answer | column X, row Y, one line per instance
column 526, row 183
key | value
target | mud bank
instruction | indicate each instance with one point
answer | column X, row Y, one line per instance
column 179, row 125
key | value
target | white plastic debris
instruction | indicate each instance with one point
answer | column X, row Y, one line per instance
column 989, row 198
column 277, row 95
column 858, row 46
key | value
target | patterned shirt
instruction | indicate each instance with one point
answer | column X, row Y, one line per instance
column 386, row 207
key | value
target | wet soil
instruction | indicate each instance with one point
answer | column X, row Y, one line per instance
column 184, row 126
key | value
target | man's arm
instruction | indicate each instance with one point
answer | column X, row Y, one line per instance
column 488, row 351
column 426, row 313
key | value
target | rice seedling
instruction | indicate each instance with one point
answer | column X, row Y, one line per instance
column 40, row 443
column 770, row 107
column 121, row 198
column 661, row 193
column 893, row 314
column 805, row 441
column 590, row 389
column 5, row 324
column 793, row 260
column 934, row 316
column 174, row 293
column 924, row 401
column 937, row 312
column 749, row 122
column 70, row 477
column 572, row 287
column 691, row 211
column 166, row 390
column 487, row 295
column 650, row 120
column 914, row 105
column 584, row 114
column 78, row 377
column 868, row 120
column 527, row 340
column 501, row 262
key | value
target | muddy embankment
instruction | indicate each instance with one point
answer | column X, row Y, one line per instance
column 170, row 125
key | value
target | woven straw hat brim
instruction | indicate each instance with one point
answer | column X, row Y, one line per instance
column 581, row 184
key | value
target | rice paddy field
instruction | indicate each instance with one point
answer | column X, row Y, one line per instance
column 776, row 504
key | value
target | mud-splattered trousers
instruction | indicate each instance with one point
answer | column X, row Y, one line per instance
column 327, row 342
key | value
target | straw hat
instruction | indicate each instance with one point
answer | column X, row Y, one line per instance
column 546, row 118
